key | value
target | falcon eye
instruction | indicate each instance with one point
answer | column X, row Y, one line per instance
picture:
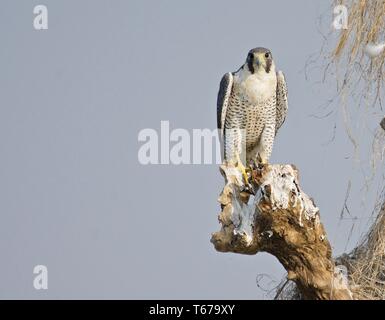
column 267, row 54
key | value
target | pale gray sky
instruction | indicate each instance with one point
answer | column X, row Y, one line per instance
column 73, row 98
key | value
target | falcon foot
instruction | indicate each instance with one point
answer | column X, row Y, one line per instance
column 242, row 169
column 248, row 188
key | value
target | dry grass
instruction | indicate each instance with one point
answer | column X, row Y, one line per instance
column 366, row 264
column 365, row 76
column 366, row 24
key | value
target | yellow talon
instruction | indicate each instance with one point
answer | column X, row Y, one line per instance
column 246, row 177
column 242, row 168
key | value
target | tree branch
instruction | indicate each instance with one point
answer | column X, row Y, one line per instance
column 282, row 220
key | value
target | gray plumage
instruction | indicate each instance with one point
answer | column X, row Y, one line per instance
column 251, row 107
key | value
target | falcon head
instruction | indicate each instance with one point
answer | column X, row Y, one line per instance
column 259, row 60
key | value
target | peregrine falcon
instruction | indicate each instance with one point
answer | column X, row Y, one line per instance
column 251, row 107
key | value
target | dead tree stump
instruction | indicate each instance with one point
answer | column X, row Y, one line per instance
column 283, row 221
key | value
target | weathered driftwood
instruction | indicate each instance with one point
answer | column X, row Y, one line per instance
column 282, row 220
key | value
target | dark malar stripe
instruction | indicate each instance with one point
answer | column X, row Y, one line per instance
column 250, row 63
column 268, row 65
